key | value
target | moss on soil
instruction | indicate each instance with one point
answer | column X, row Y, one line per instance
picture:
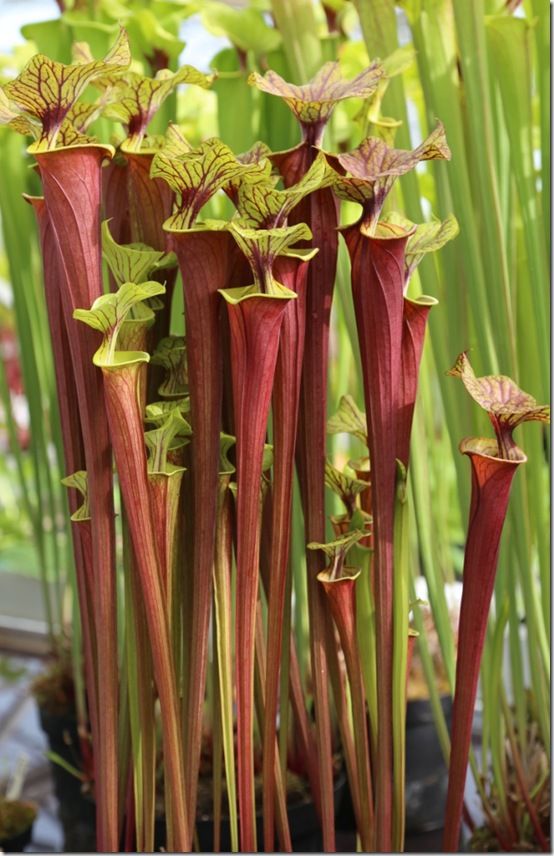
column 15, row 817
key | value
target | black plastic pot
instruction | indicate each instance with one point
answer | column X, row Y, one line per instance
column 17, row 843
column 76, row 810
column 304, row 826
column 426, row 772
column 78, row 814
column 426, row 782
column 63, row 739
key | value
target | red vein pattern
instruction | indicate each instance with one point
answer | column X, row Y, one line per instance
column 491, row 481
column 126, row 429
column 292, row 273
column 74, row 453
column 377, row 290
column 204, row 260
column 341, row 597
column 319, row 211
column 72, row 191
column 255, row 324
column 414, row 325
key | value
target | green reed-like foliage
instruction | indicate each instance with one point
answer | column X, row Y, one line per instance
column 484, row 72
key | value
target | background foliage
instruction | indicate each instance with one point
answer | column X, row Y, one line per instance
column 482, row 67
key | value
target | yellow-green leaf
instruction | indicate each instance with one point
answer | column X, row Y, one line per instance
column 346, row 487
column 7, row 112
column 506, row 404
column 257, row 157
column 79, row 481
column 109, row 312
column 499, row 395
column 313, row 102
column 171, row 355
column 159, row 440
column 261, row 204
column 257, row 153
column 348, row 419
column 196, row 176
column 176, row 143
column 156, row 412
column 135, row 99
column 128, row 262
column 337, row 550
column 267, row 457
column 373, row 167
column 226, row 467
column 47, row 90
column 426, row 237
column 262, row 246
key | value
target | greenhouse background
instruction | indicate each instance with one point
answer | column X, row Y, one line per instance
column 454, row 98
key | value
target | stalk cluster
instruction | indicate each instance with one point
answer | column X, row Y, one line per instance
column 207, row 431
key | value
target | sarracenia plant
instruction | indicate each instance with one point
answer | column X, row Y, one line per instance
column 312, row 104
column 121, row 373
column 252, row 360
column 493, row 467
column 377, row 253
column 40, row 103
column 205, row 259
column 339, row 581
column 134, row 264
column 147, row 202
column 74, row 453
column 256, row 315
column 136, row 205
column 263, row 206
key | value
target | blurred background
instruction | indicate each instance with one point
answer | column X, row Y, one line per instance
column 480, row 66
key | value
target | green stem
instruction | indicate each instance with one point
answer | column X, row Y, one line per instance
column 400, row 657
column 224, row 645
